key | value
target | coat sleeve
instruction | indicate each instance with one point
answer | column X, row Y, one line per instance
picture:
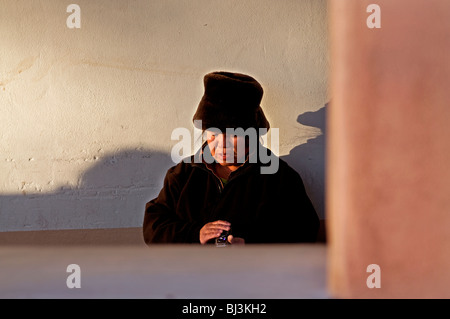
column 161, row 221
column 288, row 215
column 303, row 221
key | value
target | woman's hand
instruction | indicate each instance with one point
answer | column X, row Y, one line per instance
column 235, row 240
column 213, row 230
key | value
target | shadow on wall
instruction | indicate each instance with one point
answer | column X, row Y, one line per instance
column 309, row 159
column 111, row 194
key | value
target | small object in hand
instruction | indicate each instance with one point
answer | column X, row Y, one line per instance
column 222, row 240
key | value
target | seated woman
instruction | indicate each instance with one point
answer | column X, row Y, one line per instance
column 222, row 189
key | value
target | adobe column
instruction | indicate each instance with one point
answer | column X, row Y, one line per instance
column 388, row 149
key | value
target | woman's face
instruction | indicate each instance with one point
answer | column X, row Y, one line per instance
column 227, row 149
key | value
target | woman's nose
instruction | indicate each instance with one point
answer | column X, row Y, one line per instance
column 224, row 141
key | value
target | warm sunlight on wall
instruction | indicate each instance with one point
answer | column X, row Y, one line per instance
column 87, row 113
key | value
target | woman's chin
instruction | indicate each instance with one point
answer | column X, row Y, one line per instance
column 222, row 160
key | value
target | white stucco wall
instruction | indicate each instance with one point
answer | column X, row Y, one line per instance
column 87, row 114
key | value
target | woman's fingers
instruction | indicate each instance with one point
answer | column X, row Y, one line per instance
column 213, row 233
column 213, row 229
column 235, row 240
column 207, row 235
column 218, row 225
column 221, row 223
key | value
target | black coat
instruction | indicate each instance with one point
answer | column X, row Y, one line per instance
column 262, row 208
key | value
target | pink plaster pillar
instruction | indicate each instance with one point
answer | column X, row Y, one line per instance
column 388, row 156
